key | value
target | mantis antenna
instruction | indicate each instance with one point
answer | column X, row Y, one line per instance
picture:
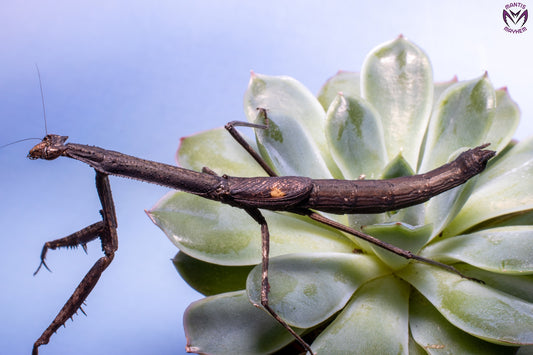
column 44, row 114
column 42, row 98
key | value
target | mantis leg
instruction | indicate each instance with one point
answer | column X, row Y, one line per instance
column 265, row 287
column 230, row 127
column 106, row 230
column 265, row 250
column 79, row 238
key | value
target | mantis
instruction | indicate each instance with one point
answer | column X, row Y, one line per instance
column 296, row 194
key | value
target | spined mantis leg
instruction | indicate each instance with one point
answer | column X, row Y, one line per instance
column 106, row 230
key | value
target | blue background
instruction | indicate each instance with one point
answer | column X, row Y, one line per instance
column 135, row 77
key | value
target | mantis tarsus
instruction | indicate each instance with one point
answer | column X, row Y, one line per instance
column 295, row 194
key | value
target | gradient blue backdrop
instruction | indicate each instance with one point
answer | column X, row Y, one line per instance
column 135, row 77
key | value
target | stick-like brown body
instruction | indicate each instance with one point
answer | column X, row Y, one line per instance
column 287, row 193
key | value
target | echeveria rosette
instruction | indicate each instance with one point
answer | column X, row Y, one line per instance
column 389, row 120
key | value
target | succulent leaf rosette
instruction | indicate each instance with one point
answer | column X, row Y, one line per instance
column 344, row 295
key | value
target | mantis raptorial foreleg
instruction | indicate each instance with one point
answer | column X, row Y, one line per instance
column 106, row 230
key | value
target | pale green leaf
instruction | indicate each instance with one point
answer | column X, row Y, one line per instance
column 505, row 187
column 477, row 309
column 220, row 234
column 217, row 150
column 520, row 218
column 375, row 321
column 355, row 138
column 506, row 118
column 519, row 286
column 507, row 250
column 399, row 235
column 397, row 81
column 229, row 324
column 345, row 82
column 440, row 88
column 397, row 167
column 462, row 118
column 306, row 289
column 211, row 279
column 438, row 336
column 294, row 143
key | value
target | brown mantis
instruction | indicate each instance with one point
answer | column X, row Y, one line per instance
column 300, row 195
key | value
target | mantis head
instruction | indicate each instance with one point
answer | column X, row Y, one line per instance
column 51, row 147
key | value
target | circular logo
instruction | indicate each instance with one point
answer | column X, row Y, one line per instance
column 515, row 17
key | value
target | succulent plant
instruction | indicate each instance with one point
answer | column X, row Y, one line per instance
column 345, row 295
